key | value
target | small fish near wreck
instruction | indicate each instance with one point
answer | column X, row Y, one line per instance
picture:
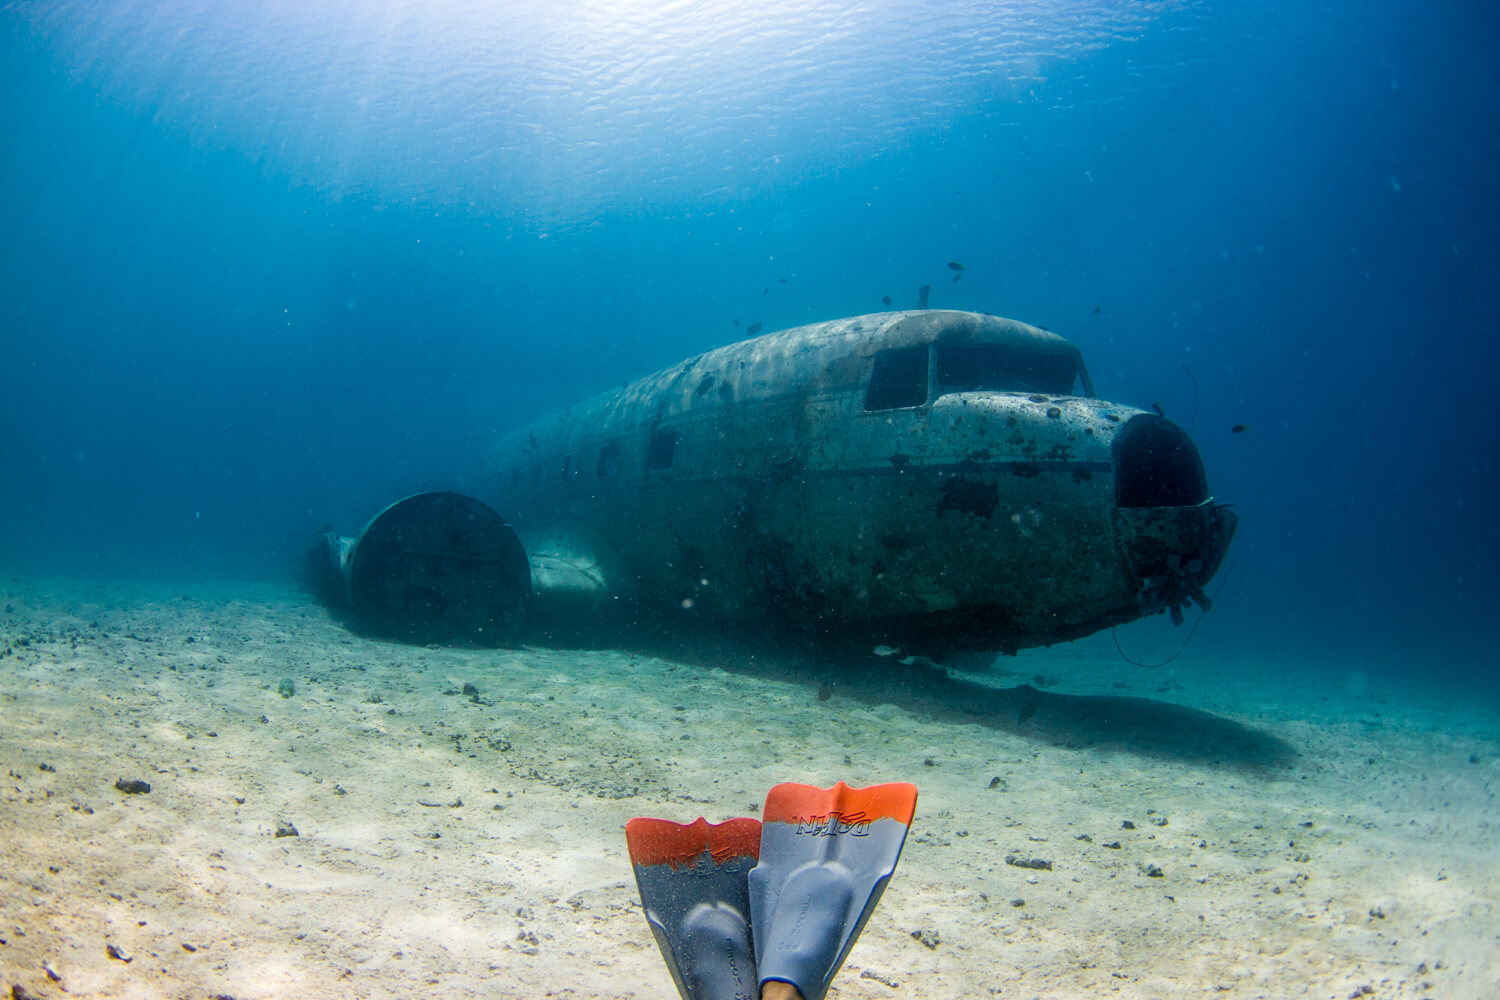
column 896, row 477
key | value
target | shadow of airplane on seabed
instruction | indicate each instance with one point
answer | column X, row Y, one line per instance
column 1144, row 726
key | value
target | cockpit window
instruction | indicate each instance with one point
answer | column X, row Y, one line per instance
column 999, row 368
column 898, row 379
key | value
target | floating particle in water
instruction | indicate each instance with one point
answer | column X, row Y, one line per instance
column 1096, row 310
column 1239, row 428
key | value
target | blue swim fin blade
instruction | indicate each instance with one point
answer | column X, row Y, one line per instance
column 693, row 880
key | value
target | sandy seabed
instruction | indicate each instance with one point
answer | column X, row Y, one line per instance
column 1212, row 830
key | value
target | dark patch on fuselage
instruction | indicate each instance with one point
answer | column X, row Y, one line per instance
column 691, row 562
column 787, row 465
column 895, row 542
column 969, row 496
column 1058, row 453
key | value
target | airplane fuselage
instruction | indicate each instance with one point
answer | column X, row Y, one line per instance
column 906, row 473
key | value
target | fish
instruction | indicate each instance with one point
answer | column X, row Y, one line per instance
column 1096, row 310
column 886, row 299
column 736, row 322
column 1239, row 428
column 954, row 265
column 754, row 328
column 922, row 294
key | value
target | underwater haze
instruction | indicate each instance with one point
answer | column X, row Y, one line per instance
column 272, row 265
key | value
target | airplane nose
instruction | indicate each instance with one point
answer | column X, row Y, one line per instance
column 1157, row 465
column 1172, row 535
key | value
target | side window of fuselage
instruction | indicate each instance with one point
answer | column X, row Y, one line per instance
column 898, row 379
column 660, row 449
column 609, row 461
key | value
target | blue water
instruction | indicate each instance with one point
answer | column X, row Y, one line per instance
column 265, row 268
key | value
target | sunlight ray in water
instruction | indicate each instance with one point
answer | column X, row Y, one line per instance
column 568, row 107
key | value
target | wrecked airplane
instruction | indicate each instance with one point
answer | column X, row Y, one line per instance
column 902, row 476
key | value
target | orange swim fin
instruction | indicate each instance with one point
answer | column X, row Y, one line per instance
column 826, row 855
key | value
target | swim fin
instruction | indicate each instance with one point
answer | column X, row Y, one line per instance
column 826, row 855
column 693, row 883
